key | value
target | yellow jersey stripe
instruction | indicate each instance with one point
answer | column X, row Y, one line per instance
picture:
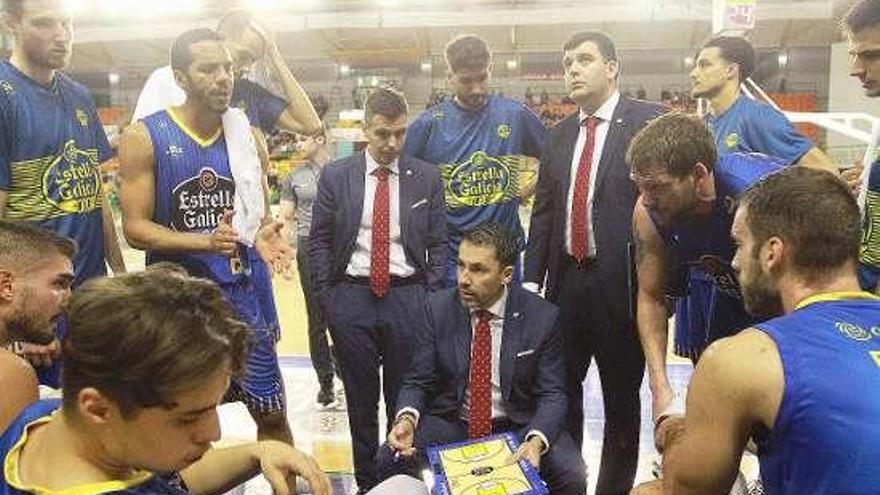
column 203, row 142
column 10, row 471
column 835, row 296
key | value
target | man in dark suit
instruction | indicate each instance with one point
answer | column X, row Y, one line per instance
column 377, row 244
column 579, row 240
column 490, row 360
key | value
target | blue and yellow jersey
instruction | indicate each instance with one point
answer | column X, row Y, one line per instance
column 194, row 187
column 39, row 413
column 262, row 107
column 51, row 144
column 483, row 159
column 707, row 245
column 826, row 437
column 709, row 304
column 869, row 250
column 749, row 126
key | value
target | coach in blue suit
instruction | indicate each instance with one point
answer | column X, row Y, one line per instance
column 377, row 245
column 579, row 240
column 438, row 404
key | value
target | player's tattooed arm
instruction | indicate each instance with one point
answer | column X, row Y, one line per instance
column 112, row 250
column 639, row 243
column 651, row 313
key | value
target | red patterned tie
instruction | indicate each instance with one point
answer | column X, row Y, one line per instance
column 480, row 381
column 579, row 218
column 380, row 278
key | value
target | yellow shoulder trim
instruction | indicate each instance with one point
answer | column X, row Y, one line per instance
column 836, row 296
column 203, row 142
column 10, row 471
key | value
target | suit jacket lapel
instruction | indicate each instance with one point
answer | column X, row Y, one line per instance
column 356, row 186
column 510, row 340
column 571, row 130
column 407, row 183
column 463, row 337
column 613, row 141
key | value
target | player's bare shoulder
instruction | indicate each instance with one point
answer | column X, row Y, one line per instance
column 135, row 145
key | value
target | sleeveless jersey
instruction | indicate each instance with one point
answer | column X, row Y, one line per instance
column 194, row 186
column 15, row 436
column 707, row 246
column 869, row 249
column 51, row 144
column 826, row 437
column 712, row 306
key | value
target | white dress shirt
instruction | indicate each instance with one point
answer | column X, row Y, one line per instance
column 359, row 265
column 604, row 113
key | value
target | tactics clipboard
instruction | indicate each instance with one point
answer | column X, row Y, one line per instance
column 478, row 467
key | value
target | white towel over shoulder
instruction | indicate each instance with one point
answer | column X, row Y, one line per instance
column 159, row 92
column 247, row 172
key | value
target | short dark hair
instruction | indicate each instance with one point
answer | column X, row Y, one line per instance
column 143, row 338
column 385, row 101
column 22, row 245
column 181, row 52
column 601, row 39
column 811, row 210
column 675, row 142
column 13, row 7
column 468, row 52
column 497, row 236
column 863, row 14
column 736, row 50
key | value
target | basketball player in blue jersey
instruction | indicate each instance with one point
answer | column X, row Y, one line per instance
column 487, row 147
column 739, row 123
column 51, row 140
column 177, row 198
column 682, row 221
column 248, row 43
column 36, row 272
column 149, row 357
column 805, row 385
column 51, row 146
column 862, row 30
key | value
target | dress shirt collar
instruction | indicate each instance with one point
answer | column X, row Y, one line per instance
column 605, row 111
column 372, row 164
column 497, row 309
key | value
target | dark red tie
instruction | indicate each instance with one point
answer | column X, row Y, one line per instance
column 380, row 277
column 579, row 218
column 480, row 380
